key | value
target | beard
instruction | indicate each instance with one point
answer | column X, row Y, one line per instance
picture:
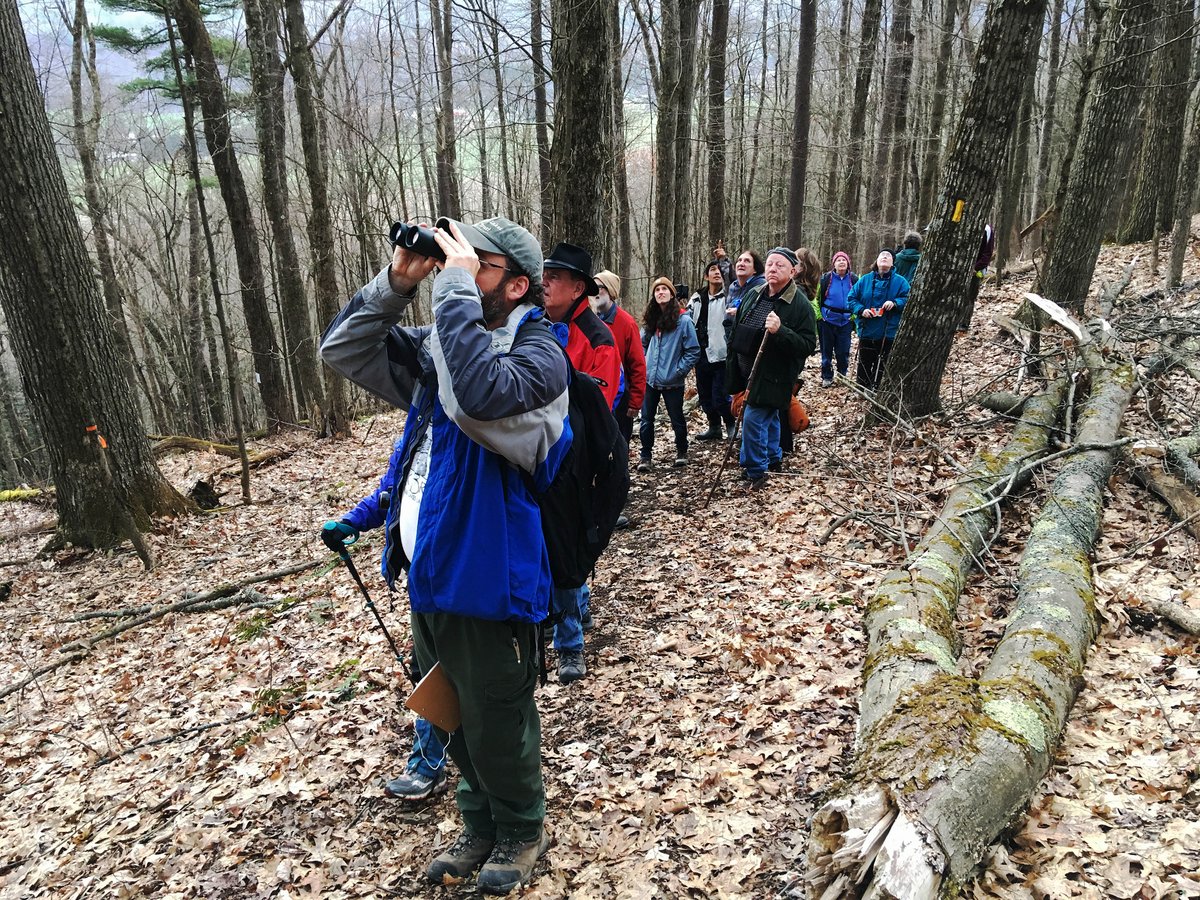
column 494, row 304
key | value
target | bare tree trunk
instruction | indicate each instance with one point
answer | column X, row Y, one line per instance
column 320, row 222
column 899, row 87
column 578, row 161
column 681, row 207
column 449, row 196
column 978, row 160
column 624, row 257
column 716, row 122
column 1049, row 107
column 1068, row 271
column 541, row 115
column 801, row 122
column 266, row 72
column 1180, row 76
column 891, row 129
column 210, row 90
column 1018, row 168
column 201, row 391
column 61, row 335
column 856, row 145
column 1189, row 170
column 665, row 143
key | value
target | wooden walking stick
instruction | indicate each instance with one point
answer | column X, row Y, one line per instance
column 737, row 432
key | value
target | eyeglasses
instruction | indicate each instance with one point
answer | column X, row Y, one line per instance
column 492, row 265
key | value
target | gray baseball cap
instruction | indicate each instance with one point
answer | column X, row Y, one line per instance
column 503, row 236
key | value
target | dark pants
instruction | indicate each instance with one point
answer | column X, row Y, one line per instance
column 710, row 385
column 492, row 666
column 785, row 431
column 673, row 398
column 624, row 421
column 835, row 343
column 972, row 296
column 872, row 358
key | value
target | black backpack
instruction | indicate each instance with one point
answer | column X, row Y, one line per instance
column 581, row 506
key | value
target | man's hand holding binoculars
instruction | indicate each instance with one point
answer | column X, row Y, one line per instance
column 410, row 267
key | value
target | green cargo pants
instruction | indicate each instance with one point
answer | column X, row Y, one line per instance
column 497, row 749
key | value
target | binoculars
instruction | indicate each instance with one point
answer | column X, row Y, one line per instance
column 417, row 239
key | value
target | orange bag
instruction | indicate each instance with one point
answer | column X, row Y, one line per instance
column 797, row 416
column 736, row 402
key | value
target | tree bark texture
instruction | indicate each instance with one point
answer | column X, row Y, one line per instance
column 623, row 259
column 1178, row 79
column 1109, row 118
column 891, row 127
column 1049, row 106
column 243, row 231
column 321, row 240
column 937, row 111
column 61, row 335
column 665, row 144
column 856, row 143
column 541, row 114
column 716, row 121
column 582, row 111
column 801, row 122
column 446, row 155
column 1189, row 171
column 911, row 637
column 266, row 70
column 939, row 778
column 681, row 207
column 977, row 161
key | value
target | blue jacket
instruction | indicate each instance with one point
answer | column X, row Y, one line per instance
column 670, row 355
column 371, row 511
column 871, row 291
column 492, row 404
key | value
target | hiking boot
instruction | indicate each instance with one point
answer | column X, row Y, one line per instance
column 571, row 666
column 826, row 382
column 462, row 858
column 644, row 465
column 714, row 430
column 412, row 786
column 775, row 466
column 587, row 623
column 622, row 521
column 511, row 864
column 680, row 460
column 757, row 484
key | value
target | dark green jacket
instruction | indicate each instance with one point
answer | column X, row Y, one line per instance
column 785, row 352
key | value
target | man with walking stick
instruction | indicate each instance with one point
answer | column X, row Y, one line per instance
column 780, row 323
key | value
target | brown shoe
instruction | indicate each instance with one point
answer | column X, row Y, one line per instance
column 511, row 864
column 462, row 858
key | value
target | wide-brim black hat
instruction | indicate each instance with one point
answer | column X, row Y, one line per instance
column 573, row 259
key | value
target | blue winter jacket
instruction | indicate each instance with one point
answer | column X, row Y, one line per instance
column 371, row 511
column 670, row 355
column 871, row 291
column 494, row 404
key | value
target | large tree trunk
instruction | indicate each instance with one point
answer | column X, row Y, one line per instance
column 801, row 122
column 911, row 637
column 665, row 143
column 1018, row 169
column 62, row 337
column 938, row 779
column 541, row 115
column 579, row 150
column 203, row 390
column 320, row 221
column 892, row 126
column 1068, row 271
column 218, row 135
column 978, row 160
column 1180, row 75
column 624, row 251
column 1189, row 170
column 856, row 144
column 716, row 122
column 262, row 17
column 1049, row 107
column 681, row 208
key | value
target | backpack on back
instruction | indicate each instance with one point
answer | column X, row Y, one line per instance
column 581, row 506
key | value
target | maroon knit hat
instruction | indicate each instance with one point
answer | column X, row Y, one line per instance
column 843, row 254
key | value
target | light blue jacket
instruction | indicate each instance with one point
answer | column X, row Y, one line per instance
column 492, row 410
column 670, row 355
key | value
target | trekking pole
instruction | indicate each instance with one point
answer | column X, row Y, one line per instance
column 338, row 546
column 737, row 434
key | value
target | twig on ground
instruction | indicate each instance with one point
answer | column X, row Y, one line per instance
column 166, row 739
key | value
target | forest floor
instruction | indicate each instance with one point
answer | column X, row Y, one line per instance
column 720, row 702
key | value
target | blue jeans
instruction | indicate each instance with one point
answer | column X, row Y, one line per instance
column 571, row 606
column 835, row 342
column 428, row 757
column 760, row 440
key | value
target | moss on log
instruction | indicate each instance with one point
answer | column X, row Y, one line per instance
column 16, row 494
column 910, row 619
column 953, row 763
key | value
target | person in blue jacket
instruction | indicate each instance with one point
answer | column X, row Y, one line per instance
column 833, row 321
column 425, row 774
column 672, row 348
column 877, row 300
column 485, row 388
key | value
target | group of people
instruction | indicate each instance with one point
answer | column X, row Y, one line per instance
column 486, row 389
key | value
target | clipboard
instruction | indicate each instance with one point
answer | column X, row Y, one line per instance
column 435, row 700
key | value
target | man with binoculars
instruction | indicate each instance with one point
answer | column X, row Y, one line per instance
column 485, row 388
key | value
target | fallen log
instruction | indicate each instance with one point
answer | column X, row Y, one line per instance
column 221, row 597
column 1003, row 402
column 910, row 619
column 1173, row 491
column 1112, row 292
column 937, row 779
column 185, row 442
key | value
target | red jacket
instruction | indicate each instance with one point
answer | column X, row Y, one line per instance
column 591, row 348
column 633, row 358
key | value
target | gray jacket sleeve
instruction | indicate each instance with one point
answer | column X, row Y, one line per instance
column 364, row 344
column 513, row 402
